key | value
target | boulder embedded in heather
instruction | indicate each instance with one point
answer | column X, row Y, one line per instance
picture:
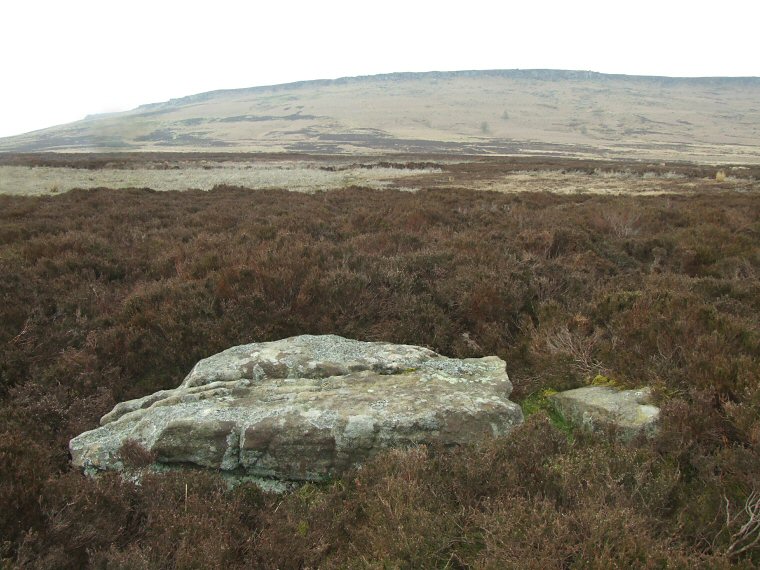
column 628, row 412
column 305, row 408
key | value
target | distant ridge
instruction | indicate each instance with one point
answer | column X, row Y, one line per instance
column 519, row 111
column 537, row 74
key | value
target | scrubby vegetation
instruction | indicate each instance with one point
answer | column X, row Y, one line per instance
column 108, row 295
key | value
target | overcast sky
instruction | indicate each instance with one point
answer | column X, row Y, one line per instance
column 62, row 60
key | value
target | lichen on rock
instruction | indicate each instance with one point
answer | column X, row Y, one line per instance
column 306, row 408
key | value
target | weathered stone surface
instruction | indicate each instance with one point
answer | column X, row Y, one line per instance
column 630, row 412
column 305, row 408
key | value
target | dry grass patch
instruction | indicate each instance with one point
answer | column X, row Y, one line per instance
column 296, row 176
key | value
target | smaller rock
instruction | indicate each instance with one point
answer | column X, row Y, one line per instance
column 629, row 412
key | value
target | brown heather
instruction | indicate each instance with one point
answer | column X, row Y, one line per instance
column 107, row 295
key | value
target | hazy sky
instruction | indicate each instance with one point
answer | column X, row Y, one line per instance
column 62, row 60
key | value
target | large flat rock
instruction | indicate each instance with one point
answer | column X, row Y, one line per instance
column 306, row 408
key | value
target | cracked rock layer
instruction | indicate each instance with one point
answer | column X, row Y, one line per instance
column 306, row 408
